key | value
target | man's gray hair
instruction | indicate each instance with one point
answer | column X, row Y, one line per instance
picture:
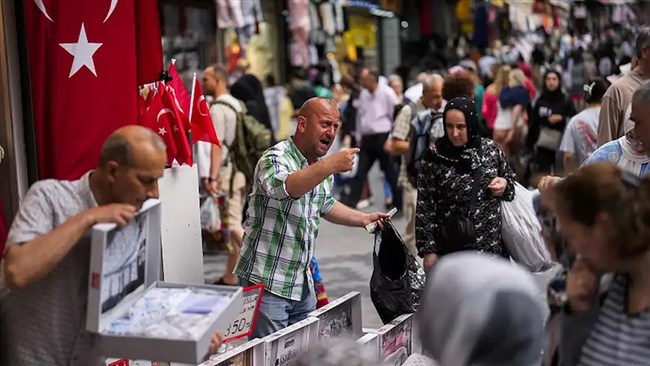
column 394, row 77
column 431, row 80
column 642, row 40
column 118, row 148
column 642, row 94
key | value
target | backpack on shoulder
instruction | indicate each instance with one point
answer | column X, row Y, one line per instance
column 426, row 127
column 252, row 138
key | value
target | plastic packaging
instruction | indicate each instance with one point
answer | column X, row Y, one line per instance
column 522, row 232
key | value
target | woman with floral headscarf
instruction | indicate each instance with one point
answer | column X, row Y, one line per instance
column 447, row 193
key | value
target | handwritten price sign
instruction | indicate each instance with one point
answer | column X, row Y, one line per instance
column 244, row 324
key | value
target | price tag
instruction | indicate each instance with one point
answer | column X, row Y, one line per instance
column 244, row 324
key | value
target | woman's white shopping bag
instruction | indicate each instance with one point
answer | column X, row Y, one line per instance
column 522, row 232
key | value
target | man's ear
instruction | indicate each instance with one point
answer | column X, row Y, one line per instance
column 302, row 124
column 110, row 170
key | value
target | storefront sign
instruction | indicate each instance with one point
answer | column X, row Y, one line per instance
column 244, row 324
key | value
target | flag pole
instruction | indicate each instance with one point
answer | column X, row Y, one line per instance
column 192, row 98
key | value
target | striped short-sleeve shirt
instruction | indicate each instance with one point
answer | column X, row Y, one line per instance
column 618, row 338
column 43, row 323
column 280, row 231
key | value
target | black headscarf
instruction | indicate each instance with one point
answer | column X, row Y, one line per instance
column 553, row 96
column 248, row 89
column 466, row 155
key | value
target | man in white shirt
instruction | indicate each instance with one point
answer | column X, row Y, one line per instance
column 224, row 112
column 374, row 122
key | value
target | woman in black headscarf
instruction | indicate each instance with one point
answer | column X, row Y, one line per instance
column 248, row 89
column 548, row 119
column 448, row 219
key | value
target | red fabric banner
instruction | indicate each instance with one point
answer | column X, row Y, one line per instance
column 83, row 73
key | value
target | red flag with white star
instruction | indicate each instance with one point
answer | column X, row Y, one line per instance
column 202, row 126
column 83, row 77
column 160, row 119
column 183, row 149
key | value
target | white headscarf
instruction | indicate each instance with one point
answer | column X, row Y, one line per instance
column 478, row 310
column 631, row 160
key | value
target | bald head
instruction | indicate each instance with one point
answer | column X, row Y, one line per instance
column 123, row 145
column 315, row 105
column 318, row 121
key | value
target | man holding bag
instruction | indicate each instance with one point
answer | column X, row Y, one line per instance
column 292, row 190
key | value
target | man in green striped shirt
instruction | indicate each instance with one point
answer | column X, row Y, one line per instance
column 292, row 190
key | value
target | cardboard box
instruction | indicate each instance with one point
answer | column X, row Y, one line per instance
column 370, row 341
column 341, row 317
column 125, row 264
column 250, row 353
column 397, row 340
column 284, row 345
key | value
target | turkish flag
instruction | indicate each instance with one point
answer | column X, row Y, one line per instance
column 202, row 126
column 84, row 77
column 178, row 131
column 160, row 119
column 180, row 91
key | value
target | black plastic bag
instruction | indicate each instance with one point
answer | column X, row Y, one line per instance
column 397, row 278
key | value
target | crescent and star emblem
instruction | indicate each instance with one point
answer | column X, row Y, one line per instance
column 201, row 104
column 41, row 6
column 163, row 111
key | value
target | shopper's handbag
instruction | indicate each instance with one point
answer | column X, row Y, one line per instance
column 397, row 278
column 522, row 232
column 457, row 231
column 214, row 224
column 549, row 138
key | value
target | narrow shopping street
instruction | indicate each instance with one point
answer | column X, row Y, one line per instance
column 245, row 182
column 345, row 259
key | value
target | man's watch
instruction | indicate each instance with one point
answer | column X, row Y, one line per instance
column 211, row 179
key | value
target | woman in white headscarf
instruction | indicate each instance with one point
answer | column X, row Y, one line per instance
column 489, row 315
column 627, row 152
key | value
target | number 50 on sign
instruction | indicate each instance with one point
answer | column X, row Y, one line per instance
column 244, row 324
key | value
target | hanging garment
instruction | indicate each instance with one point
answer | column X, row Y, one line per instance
column 300, row 55
column 229, row 14
column 251, row 11
column 339, row 17
column 327, row 15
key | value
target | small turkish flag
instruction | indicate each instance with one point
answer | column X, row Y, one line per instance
column 180, row 91
column 202, row 126
column 160, row 120
column 183, row 149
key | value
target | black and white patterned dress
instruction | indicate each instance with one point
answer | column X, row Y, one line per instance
column 444, row 190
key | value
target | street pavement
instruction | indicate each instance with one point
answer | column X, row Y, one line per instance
column 345, row 258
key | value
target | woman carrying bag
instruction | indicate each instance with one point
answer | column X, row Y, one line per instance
column 547, row 123
column 463, row 179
